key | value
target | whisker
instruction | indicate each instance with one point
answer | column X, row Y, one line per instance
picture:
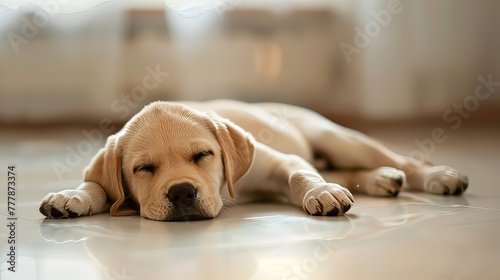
column 228, row 201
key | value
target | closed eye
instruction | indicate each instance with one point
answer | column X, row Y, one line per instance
column 198, row 157
column 145, row 167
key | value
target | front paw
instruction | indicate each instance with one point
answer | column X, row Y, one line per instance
column 66, row 204
column 328, row 200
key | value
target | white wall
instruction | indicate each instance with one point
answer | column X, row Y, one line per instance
column 429, row 56
column 420, row 63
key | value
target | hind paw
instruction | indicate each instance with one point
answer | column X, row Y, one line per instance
column 385, row 181
column 445, row 180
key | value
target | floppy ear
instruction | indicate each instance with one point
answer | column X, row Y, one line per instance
column 237, row 149
column 105, row 170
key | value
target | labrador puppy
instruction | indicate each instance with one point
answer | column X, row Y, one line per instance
column 186, row 160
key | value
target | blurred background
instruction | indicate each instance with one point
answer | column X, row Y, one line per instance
column 409, row 73
column 68, row 62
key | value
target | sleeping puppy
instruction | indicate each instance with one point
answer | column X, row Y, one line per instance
column 183, row 161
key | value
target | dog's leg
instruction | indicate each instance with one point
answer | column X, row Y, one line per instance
column 349, row 149
column 88, row 199
column 298, row 179
column 382, row 181
column 346, row 148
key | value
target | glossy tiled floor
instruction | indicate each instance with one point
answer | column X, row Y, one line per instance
column 416, row 236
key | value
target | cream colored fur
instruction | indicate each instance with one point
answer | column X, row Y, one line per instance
column 250, row 151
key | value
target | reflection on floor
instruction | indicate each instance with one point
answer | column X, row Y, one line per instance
column 415, row 236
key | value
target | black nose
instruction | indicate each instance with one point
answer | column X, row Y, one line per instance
column 182, row 194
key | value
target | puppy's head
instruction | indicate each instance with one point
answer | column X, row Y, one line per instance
column 172, row 162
